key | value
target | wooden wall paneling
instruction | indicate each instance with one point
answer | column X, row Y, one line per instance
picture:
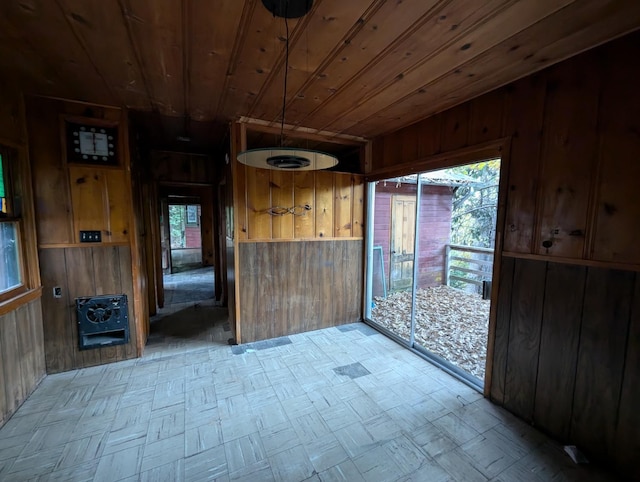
column 429, row 136
column 304, row 193
column 207, row 226
column 324, row 204
column 11, row 356
column 4, row 410
column 89, row 198
column 322, row 272
column 26, row 349
column 627, row 436
column 126, row 277
column 527, row 294
column 486, row 117
column 409, row 139
column 561, row 320
column 343, row 206
column 240, row 201
column 455, row 128
column 353, row 267
column 357, row 216
column 258, row 203
column 108, row 281
column 51, row 181
column 601, row 359
column 568, row 156
column 59, row 328
column 501, row 336
column 118, row 206
column 616, row 233
column 80, row 282
column 392, row 150
column 282, row 196
column 38, row 339
column 524, row 116
column 150, row 249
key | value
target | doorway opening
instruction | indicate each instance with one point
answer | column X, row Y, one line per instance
column 431, row 243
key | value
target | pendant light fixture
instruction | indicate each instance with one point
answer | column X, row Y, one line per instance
column 286, row 158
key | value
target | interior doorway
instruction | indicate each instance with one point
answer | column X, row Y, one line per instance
column 431, row 242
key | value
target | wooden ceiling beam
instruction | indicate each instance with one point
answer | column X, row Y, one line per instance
column 257, row 125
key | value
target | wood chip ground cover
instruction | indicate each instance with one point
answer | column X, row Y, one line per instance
column 449, row 323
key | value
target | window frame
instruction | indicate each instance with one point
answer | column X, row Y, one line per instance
column 8, row 156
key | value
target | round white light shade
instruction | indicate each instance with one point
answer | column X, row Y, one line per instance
column 258, row 158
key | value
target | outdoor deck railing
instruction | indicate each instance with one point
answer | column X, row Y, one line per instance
column 467, row 264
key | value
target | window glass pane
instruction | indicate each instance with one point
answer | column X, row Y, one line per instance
column 9, row 259
column 3, row 202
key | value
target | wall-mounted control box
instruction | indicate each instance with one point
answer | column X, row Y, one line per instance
column 90, row 236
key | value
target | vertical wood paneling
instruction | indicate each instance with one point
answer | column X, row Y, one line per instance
column 568, row 157
column 282, row 196
column 304, row 226
column 455, row 128
column 88, row 197
column 485, row 123
column 126, row 280
column 21, row 356
column 291, row 287
column 429, row 136
column 503, row 316
column 324, row 204
column 343, row 205
column 118, row 205
column 627, row 435
column 13, row 389
column 357, row 215
column 616, row 231
column 258, row 203
column 524, row 120
column 561, row 318
column 60, row 352
column 601, row 358
column 524, row 336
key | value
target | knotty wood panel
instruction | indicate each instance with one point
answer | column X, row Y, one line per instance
column 524, row 117
column 291, row 287
column 88, row 198
column 616, row 233
column 177, row 167
column 21, row 356
column 503, row 318
column 304, row 194
column 561, row 317
column 343, row 206
column 324, row 204
column 524, row 336
column 85, row 271
column 605, row 323
column 282, row 196
column 336, row 201
column 569, row 152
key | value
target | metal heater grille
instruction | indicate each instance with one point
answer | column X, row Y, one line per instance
column 102, row 321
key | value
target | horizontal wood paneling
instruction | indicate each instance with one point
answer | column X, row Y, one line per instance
column 336, row 203
column 292, row 287
column 86, row 271
column 22, row 363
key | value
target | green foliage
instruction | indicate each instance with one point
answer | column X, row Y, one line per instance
column 177, row 222
column 473, row 219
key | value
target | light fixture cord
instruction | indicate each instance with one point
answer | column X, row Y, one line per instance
column 286, row 74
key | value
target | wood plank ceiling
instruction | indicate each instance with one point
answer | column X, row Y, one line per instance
column 357, row 67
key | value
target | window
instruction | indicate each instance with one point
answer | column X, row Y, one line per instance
column 11, row 277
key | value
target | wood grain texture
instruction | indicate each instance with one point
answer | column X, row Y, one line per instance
column 524, row 337
column 561, row 321
column 291, row 287
column 304, row 225
column 569, row 150
column 503, row 319
column 601, row 360
column 627, row 437
column 21, row 356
